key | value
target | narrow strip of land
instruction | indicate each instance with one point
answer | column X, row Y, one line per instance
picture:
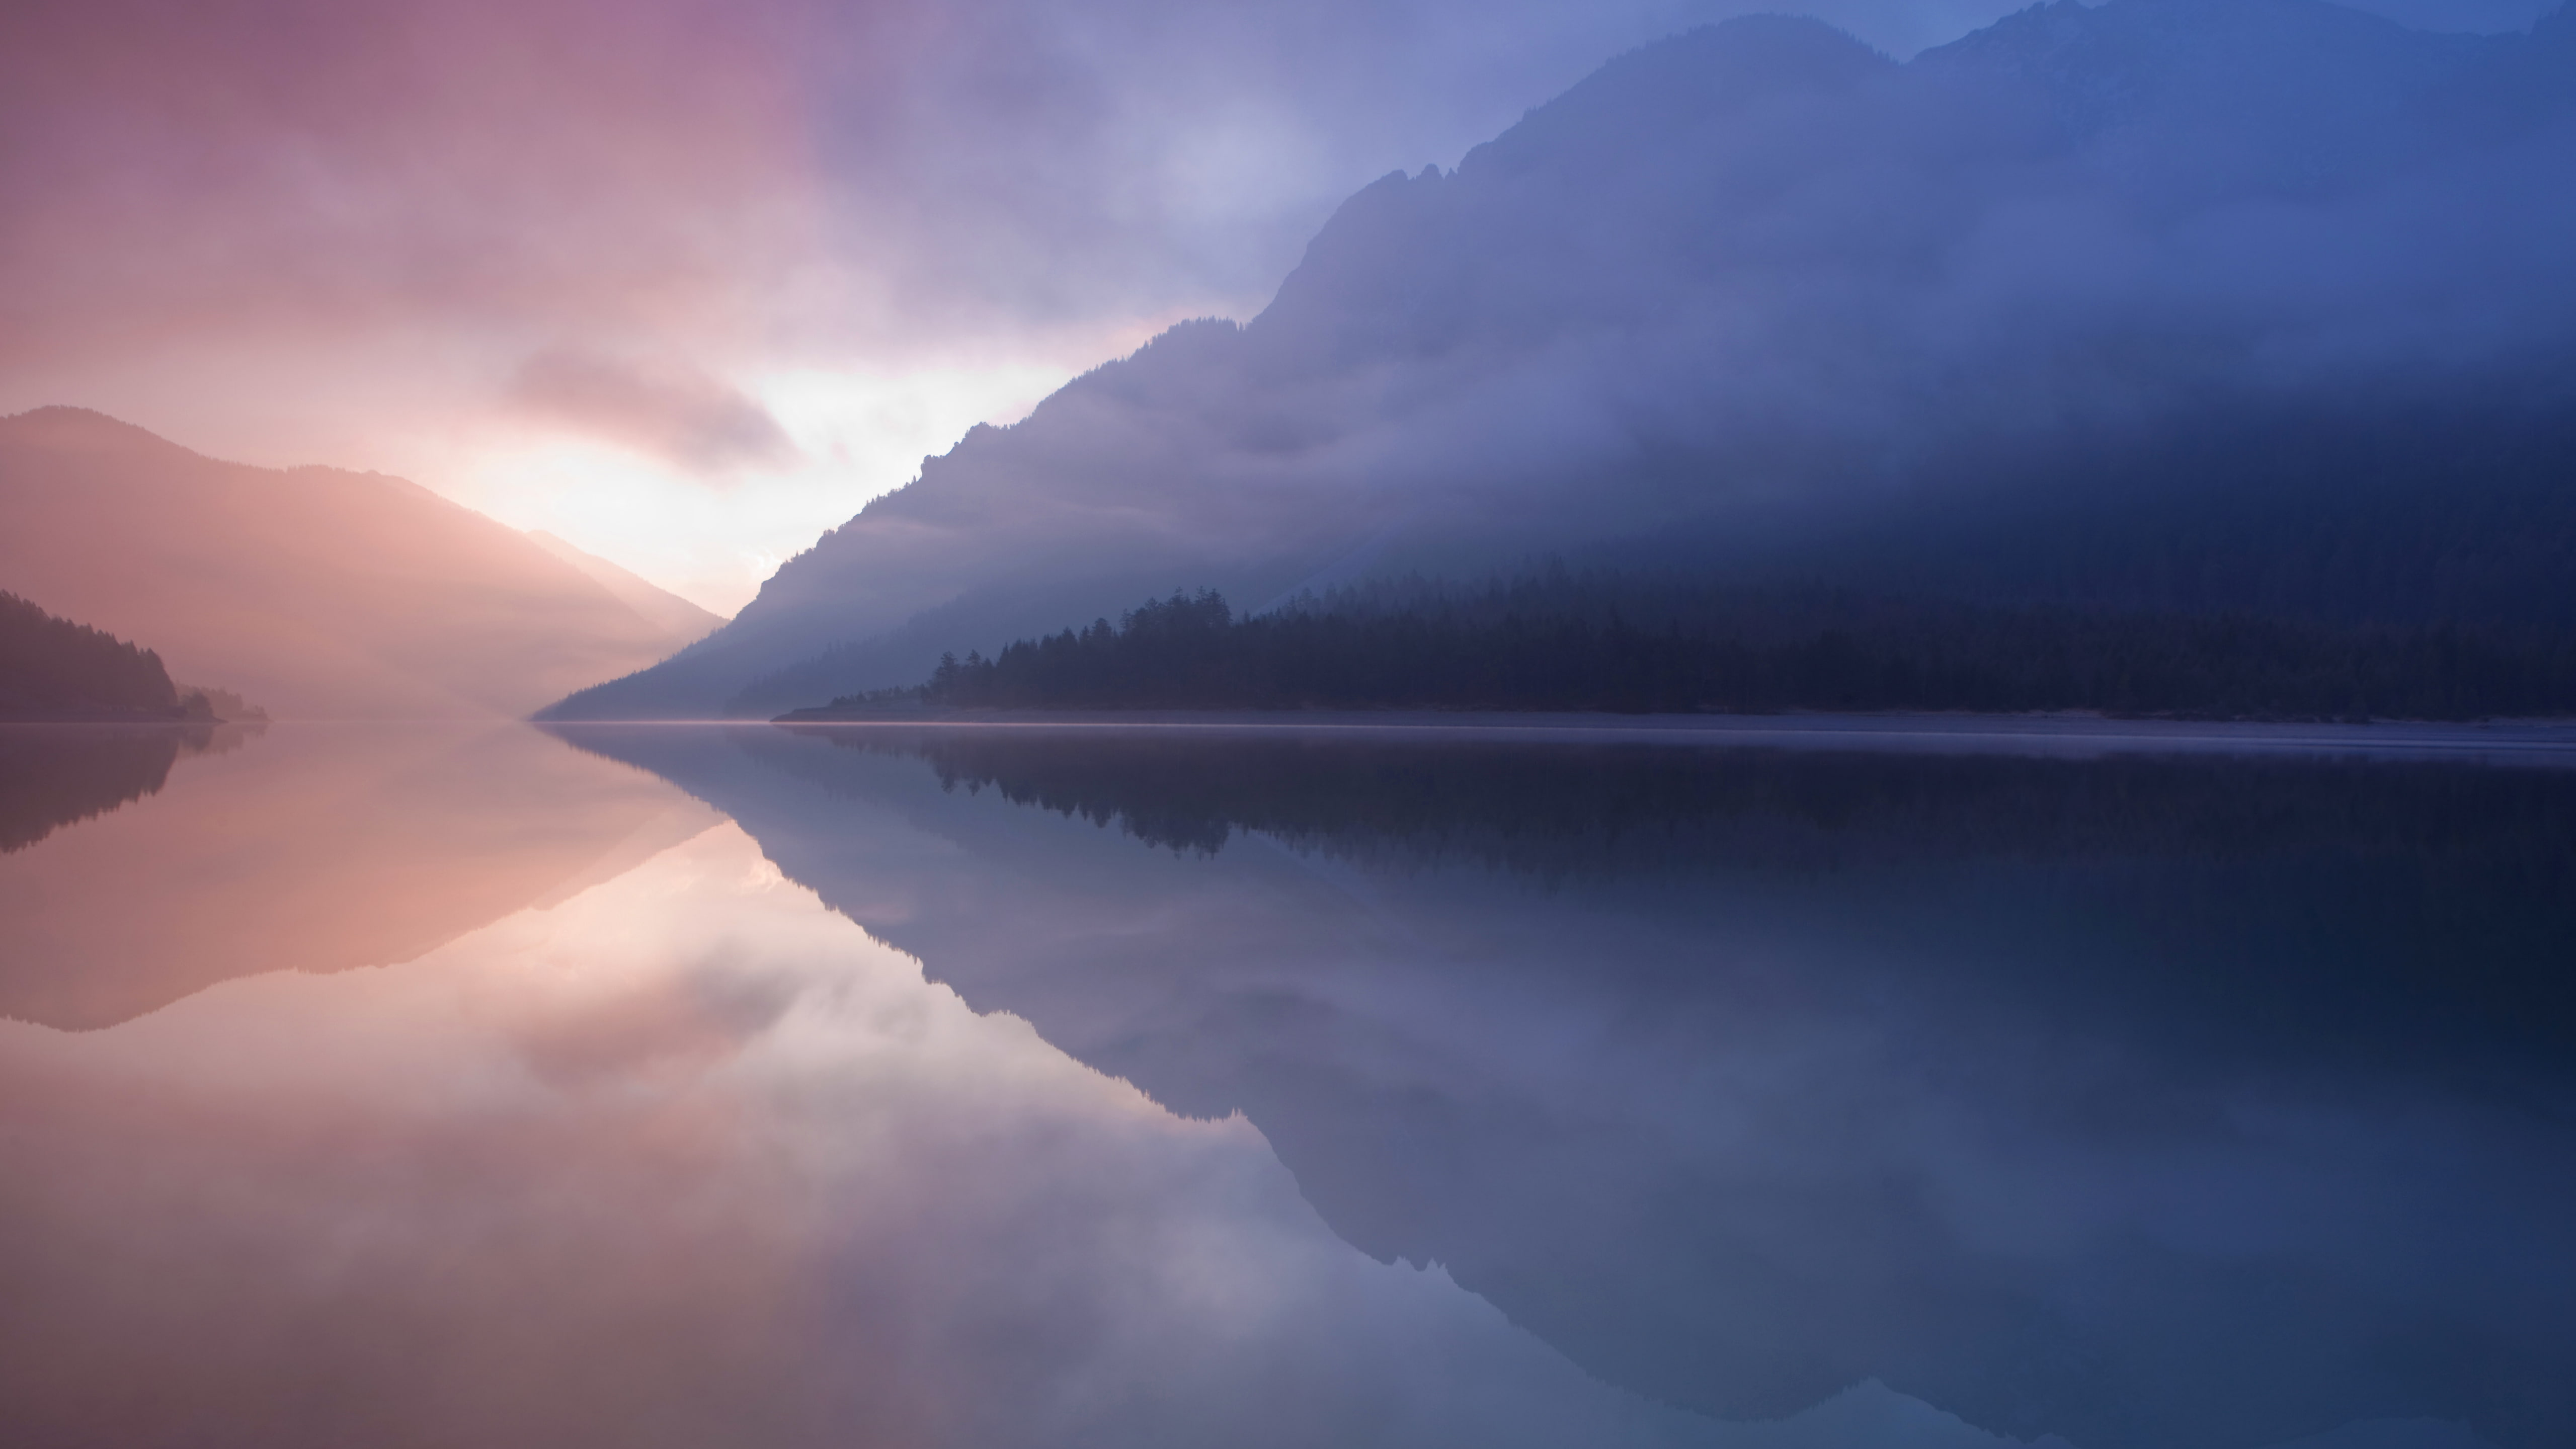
column 2528, row 741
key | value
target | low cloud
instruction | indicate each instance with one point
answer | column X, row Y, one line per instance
column 696, row 422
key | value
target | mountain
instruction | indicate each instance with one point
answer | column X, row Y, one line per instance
column 2192, row 305
column 685, row 622
column 313, row 592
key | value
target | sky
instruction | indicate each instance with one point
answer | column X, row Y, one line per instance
column 687, row 282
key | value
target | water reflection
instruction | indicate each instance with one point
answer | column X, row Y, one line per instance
column 1286, row 1092
column 57, row 775
column 313, row 848
column 2141, row 1100
column 687, row 1159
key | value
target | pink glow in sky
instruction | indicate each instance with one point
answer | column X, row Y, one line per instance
column 685, row 281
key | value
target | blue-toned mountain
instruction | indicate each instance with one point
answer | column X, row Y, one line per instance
column 2198, row 305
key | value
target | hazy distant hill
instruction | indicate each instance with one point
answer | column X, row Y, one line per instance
column 2184, row 305
column 685, row 622
column 312, row 592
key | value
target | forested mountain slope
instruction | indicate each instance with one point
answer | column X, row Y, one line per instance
column 54, row 668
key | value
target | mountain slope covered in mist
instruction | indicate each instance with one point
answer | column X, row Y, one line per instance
column 685, row 622
column 314, row 592
column 2186, row 305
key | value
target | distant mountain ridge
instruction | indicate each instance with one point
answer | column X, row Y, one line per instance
column 314, row 593
column 2191, row 305
column 667, row 611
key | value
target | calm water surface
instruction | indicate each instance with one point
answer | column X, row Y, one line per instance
column 748, row 1086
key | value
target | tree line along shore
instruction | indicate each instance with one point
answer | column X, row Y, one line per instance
column 1622, row 644
column 52, row 669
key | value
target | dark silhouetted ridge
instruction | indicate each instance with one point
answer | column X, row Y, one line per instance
column 1562, row 641
column 52, row 668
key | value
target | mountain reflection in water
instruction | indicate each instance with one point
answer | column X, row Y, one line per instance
column 2136, row 1100
column 2143, row 1100
column 308, row 848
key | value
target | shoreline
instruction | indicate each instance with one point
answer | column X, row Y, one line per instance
column 2536, row 740
column 104, row 717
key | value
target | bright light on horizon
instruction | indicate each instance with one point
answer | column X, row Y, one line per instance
column 404, row 406
column 858, row 434
column 859, row 431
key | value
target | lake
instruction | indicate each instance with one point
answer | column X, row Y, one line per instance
column 1758, row 1084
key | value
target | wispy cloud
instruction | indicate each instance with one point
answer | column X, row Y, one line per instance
column 674, row 412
